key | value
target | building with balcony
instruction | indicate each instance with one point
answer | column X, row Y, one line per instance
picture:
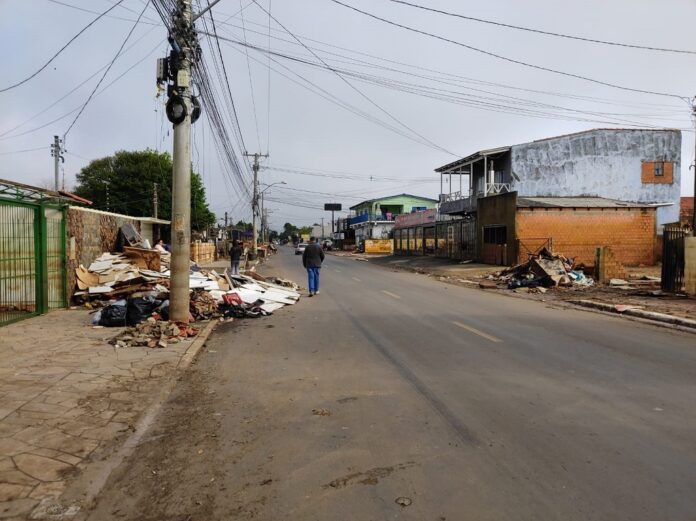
column 374, row 218
column 602, row 187
column 633, row 165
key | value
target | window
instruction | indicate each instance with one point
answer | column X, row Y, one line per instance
column 495, row 234
column 657, row 172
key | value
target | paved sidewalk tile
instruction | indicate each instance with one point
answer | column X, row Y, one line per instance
column 65, row 395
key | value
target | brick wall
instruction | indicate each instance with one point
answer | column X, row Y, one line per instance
column 578, row 232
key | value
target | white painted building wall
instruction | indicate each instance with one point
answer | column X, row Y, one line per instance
column 600, row 163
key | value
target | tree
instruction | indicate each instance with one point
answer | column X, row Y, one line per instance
column 242, row 225
column 288, row 231
column 124, row 183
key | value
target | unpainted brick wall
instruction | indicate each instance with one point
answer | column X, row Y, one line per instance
column 578, row 232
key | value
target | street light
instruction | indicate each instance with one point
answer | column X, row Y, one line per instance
column 263, row 217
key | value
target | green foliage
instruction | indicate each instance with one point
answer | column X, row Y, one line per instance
column 123, row 183
column 242, row 225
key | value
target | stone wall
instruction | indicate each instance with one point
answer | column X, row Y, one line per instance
column 89, row 234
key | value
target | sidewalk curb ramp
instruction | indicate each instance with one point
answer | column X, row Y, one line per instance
column 636, row 312
column 97, row 474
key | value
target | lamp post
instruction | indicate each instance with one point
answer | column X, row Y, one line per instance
column 263, row 215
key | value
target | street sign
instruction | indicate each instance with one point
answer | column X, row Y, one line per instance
column 332, row 207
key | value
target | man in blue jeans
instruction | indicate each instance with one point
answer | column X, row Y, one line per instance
column 312, row 258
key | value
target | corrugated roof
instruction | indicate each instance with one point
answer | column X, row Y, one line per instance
column 581, row 202
column 473, row 157
column 392, row 197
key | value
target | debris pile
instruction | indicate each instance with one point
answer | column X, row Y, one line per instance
column 542, row 271
column 153, row 333
column 133, row 288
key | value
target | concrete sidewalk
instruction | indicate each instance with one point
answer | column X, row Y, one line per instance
column 67, row 397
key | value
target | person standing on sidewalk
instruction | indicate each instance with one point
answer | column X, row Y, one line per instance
column 236, row 252
column 312, row 258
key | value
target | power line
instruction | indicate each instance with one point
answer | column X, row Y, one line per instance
column 22, row 151
column 62, row 48
column 505, row 58
column 146, row 20
column 547, row 33
column 452, row 75
column 494, row 104
column 362, row 94
column 59, row 118
column 251, row 83
column 118, row 53
column 70, row 91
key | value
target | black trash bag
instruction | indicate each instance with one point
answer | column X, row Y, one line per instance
column 113, row 316
column 163, row 310
column 139, row 309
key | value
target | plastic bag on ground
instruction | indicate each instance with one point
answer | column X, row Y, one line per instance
column 113, row 316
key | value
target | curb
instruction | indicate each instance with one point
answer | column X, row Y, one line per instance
column 639, row 313
column 195, row 347
column 98, row 473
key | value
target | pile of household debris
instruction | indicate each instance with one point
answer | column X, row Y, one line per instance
column 540, row 272
column 132, row 290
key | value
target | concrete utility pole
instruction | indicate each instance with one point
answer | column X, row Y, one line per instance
column 57, row 153
column 181, row 180
column 255, row 202
column 693, row 222
column 155, row 202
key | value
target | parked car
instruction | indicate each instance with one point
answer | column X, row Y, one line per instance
column 300, row 248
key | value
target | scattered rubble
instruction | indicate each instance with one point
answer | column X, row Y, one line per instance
column 542, row 271
column 153, row 334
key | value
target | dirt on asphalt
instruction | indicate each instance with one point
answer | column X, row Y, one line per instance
column 171, row 475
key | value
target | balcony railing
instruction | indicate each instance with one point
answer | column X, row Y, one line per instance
column 365, row 217
column 498, row 188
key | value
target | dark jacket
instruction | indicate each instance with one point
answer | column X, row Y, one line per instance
column 236, row 253
column 313, row 256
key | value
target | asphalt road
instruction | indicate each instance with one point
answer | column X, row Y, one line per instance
column 388, row 385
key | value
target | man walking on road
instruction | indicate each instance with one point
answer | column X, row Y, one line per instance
column 236, row 252
column 312, row 258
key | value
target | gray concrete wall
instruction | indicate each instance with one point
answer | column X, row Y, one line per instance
column 600, row 163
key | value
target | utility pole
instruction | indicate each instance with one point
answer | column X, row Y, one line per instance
column 155, row 202
column 693, row 222
column 57, row 154
column 255, row 202
column 263, row 219
column 225, row 220
column 322, row 228
column 181, row 39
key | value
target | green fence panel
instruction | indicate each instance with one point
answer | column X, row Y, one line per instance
column 19, row 263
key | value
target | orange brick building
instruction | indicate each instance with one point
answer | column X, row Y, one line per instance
column 577, row 231
column 512, row 228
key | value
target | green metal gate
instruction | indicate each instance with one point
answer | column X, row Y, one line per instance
column 33, row 264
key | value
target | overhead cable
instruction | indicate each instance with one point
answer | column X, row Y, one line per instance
column 507, row 59
column 547, row 33
column 118, row 53
column 361, row 93
column 34, row 74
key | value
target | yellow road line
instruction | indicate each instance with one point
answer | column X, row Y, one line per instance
column 393, row 295
column 477, row 331
column 337, row 271
column 356, row 279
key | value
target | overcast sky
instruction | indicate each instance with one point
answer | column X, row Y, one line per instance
column 458, row 100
